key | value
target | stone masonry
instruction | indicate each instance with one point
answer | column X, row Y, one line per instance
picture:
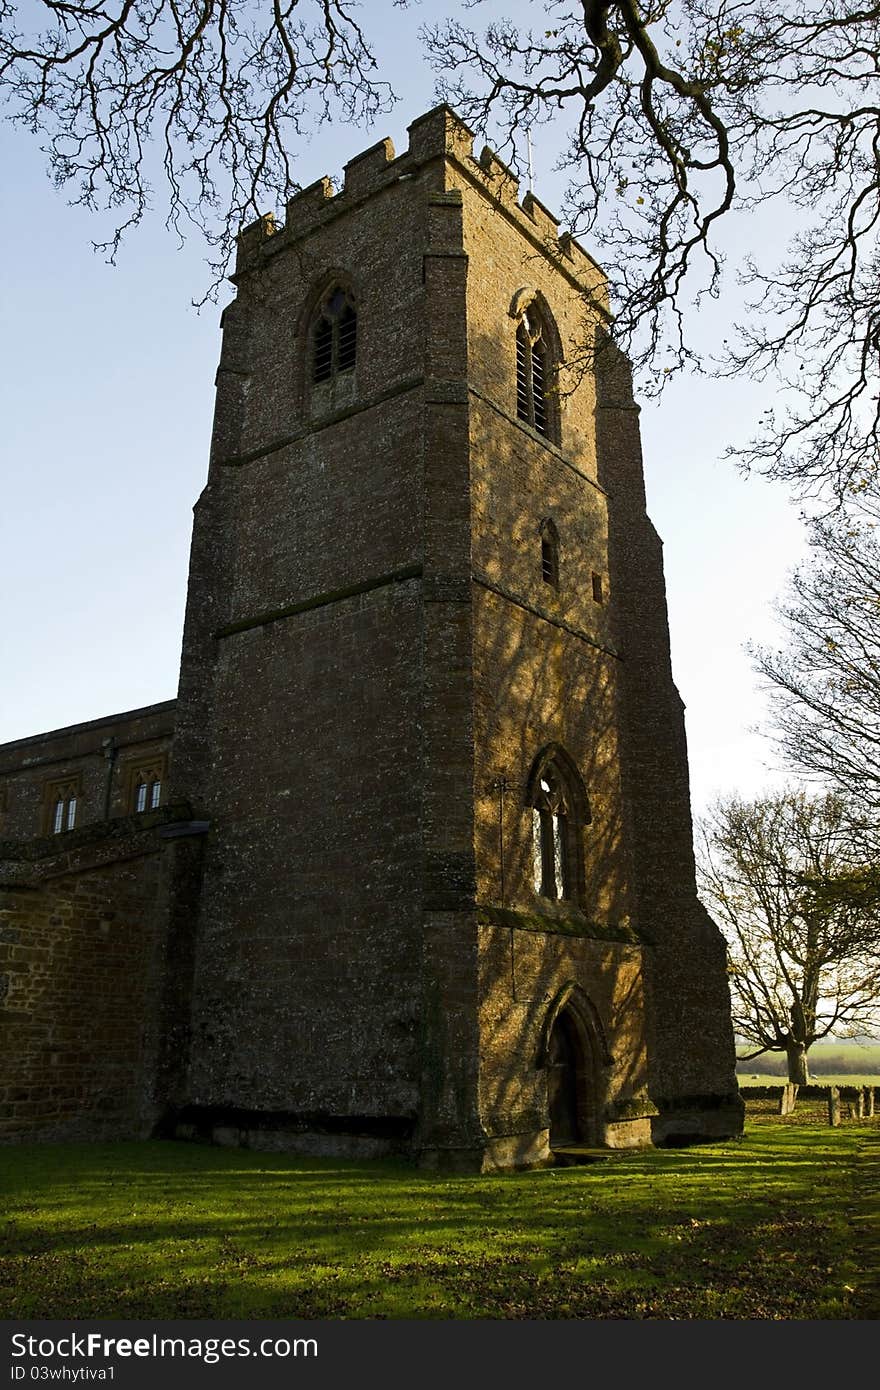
column 421, row 879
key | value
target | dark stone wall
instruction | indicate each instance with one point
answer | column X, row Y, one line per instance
column 82, row 971
column 325, row 715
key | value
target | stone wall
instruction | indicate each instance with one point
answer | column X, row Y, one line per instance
column 82, row 974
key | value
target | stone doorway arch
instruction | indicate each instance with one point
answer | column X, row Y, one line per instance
column 574, row 1055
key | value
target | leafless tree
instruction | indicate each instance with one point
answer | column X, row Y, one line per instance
column 211, row 95
column 679, row 113
column 682, row 117
column 825, row 678
column 802, row 919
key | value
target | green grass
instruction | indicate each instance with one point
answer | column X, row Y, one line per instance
column 776, row 1225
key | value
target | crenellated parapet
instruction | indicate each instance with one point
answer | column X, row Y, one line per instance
column 438, row 135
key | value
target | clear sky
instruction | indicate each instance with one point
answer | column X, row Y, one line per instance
column 107, row 397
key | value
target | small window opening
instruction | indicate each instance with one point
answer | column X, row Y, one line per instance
column 598, row 595
column 334, row 337
column 549, row 554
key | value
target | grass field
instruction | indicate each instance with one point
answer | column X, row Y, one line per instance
column 833, row 1079
column 845, row 1061
column 780, row 1224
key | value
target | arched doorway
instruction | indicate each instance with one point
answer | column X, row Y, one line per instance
column 572, row 1082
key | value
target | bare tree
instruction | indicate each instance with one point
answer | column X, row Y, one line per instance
column 802, row 921
column 825, row 680
column 679, row 113
column 211, row 95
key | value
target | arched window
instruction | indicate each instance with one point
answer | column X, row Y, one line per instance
column 334, row 336
column 60, row 806
column 145, row 781
column 559, row 813
column 550, row 553
column 533, row 368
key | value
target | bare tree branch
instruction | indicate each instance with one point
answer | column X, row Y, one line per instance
column 678, row 114
column 209, row 95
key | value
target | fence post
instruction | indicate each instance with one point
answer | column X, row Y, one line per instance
column 869, row 1098
column 833, row 1106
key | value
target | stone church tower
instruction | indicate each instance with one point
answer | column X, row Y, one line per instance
column 426, row 701
column 425, row 876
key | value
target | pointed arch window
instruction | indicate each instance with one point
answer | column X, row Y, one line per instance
column 61, row 801
column 145, row 781
column 334, row 336
column 148, row 791
column 533, row 367
column 559, row 812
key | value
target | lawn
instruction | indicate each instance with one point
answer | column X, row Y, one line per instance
column 781, row 1224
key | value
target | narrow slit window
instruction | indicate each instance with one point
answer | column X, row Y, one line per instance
column 598, row 594
column 549, row 554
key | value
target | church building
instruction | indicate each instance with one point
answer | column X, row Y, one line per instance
column 407, row 866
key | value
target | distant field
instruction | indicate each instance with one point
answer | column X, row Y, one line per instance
column 845, row 1064
column 767, row 1078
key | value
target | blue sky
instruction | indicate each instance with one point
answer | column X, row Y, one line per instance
column 107, row 400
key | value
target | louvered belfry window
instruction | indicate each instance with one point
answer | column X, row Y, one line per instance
column 532, row 373
column 549, row 553
column 334, row 337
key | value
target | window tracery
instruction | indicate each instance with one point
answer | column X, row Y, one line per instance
column 559, row 812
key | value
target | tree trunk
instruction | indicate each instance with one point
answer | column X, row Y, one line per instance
column 798, row 1074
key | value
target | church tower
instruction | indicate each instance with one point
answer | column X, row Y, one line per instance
column 447, row 902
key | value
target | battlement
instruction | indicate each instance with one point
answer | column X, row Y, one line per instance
column 438, row 134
